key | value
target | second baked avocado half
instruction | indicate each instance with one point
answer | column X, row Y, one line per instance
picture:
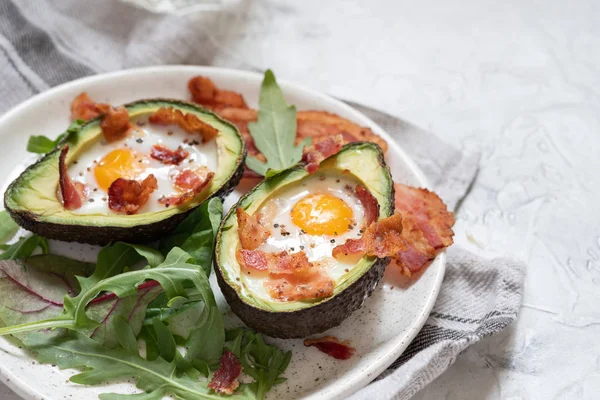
column 275, row 249
column 131, row 177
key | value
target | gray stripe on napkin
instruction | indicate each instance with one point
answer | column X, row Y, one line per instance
column 478, row 297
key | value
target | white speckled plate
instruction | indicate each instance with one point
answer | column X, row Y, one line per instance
column 380, row 331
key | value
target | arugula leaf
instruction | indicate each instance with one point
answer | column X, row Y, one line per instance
column 197, row 233
column 8, row 227
column 264, row 363
column 42, row 144
column 171, row 275
column 157, row 378
column 24, row 247
column 274, row 132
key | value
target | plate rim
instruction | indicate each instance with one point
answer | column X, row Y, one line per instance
column 24, row 390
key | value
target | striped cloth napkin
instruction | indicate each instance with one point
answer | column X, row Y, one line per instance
column 43, row 44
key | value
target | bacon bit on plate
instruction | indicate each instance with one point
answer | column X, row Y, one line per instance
column 252, row 234
column 225, row 379
column 115, row 124
column 83, row 107
column 188, row 122
column 72, row 193
column 128, row 196
column 427, row 227
column 205, row 92
column 368, row 202
column 193, row 182
column 315, row 154
column 168, row 156
column 331, row 346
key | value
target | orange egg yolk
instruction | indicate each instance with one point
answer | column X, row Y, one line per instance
column 119, row 163
column 322, row 214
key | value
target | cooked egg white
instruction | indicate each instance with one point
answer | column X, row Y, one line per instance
column 103, row 163
column 314, row 216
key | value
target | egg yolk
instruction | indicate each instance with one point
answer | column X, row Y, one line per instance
column 322, row 214
column 119, row 163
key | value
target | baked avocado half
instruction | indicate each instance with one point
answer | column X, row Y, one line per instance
column 359, row 163
column 33, row 202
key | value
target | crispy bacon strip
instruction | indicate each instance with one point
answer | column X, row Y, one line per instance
column 83, row 107
column 380, row 239
column 331, row 346
column 427, row 227
column 252, row 234
column 318, row 125
column 368, row 202
column 193, row 182
column 168, row 156
column 252, row 260
column 72, row 193
column 315, row 154
column 115, row 124
column 128, row 196
column 205, row 92
column 291, row 276
column 225, row 379
column 188, row 122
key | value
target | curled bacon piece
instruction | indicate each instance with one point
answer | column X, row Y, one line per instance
column 225, row 379
column 193, row 182
column 252, row 234
column 331, row 346
column 427, row 227
column 128, row 196
column 205, row 92
column 188, row 122
column 315, row 154
column 83, row 107
column 72, row 193
column 380, row 239
column 115, row 124
column 291, row 276
column 168, row 156
column 369, row 203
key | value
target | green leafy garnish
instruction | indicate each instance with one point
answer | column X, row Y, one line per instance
column 42, row 144
column 24, row 247
column 274, row 132
column 8, row 227
column 157, row 378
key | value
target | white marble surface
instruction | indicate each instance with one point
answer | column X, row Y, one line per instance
column 518, row 81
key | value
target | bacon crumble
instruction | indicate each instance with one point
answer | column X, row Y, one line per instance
column 188, row 122
column 369, row 203
column 252, row 234
column 84, row 108
column 193, row 182
column 315, row 154
column 72, row 193
column 332, row 346
column 225, row 379
column 128, row 196
column 167, row 156
column 115, row 124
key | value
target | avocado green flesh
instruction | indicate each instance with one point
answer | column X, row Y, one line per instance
column 362, row 162
column 32, row 198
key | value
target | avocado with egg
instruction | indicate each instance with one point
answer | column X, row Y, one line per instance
column 359, row 163
column 33, row 201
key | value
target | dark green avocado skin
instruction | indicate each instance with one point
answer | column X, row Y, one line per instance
column 308, row 321
column 311, row 320
column 102, row 235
